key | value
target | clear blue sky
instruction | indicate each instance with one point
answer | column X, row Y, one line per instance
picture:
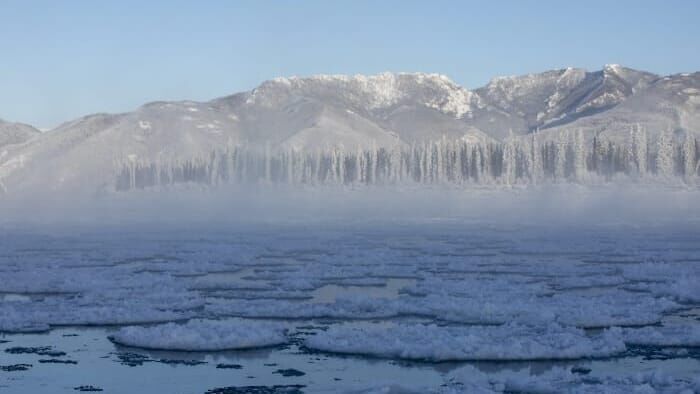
column 63, row 59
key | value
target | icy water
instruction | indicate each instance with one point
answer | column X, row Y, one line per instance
column 363, row 307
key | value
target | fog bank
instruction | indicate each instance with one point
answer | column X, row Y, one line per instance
column 543, row 205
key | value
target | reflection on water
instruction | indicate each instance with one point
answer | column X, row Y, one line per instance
column 390, row 290
column 102, row 364
column 14, row 297
column 120, row 369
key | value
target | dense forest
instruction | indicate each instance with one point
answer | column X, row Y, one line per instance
column 534, row 159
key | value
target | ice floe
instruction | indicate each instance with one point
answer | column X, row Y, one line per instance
column 617, row 308
column 203, row 335
column 562, row 380
column 358, row 307
column 671, row 335
column 588, row 311
column 435, row 343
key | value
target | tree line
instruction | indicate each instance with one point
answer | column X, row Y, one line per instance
column 533, row 159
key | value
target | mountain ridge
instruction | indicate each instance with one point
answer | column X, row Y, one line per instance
column 457, row 100
column 16, row 133
column 359, row 112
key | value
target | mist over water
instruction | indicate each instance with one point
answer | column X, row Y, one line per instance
column 237, row 206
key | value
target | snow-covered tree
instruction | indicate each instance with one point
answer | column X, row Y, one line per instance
column 664, row 154
column 458, row 148
column 640, row 150
column 486, row 172
column 439, row 161
column 561, row 149
column 268, row 164
column 359, row 166
column 689, row 157
column 536, row 161
column 580, row 170
column 509, row 170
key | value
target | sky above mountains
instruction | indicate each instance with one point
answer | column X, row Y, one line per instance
column 61, row 60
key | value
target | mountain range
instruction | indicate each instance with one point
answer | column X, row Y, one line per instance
column 356, row 112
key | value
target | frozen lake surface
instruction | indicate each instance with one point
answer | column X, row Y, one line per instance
column 428, row 306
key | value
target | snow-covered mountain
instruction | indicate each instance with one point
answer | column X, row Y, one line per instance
column 355, row 112
column 16, row 133
column 329, row 110
column 668, row 103
column 538, row 101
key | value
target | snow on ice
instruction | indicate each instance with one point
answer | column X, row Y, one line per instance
column 670, row 335
column 204, row 335
column 511, row 341
column 529, row 292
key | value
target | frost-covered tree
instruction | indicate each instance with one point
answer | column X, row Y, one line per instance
column 477, row 163
column 560, row 154
column 486, row 174
column 565, row 157
column 359, row 166
column 268, row 164
column 459, row 164
column 664, row 154
column 509, row 163
column 580, row 170
column 537, row 161
column 341, row 165
column 639, row 143
column 689, row 157
column 439, row 161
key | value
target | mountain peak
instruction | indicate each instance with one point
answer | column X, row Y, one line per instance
column 369, row 92
column 16, row 133
column 380, row 78
column 613, row 67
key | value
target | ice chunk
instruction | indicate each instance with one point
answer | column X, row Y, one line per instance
column 41, row 315
column 616, row 308
column 681, row 282
column 563, row 380
column 14, row 320
column 433, row 343
column 686, row 289
column 204, row 335
column 358, row 307
column 672, row 335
